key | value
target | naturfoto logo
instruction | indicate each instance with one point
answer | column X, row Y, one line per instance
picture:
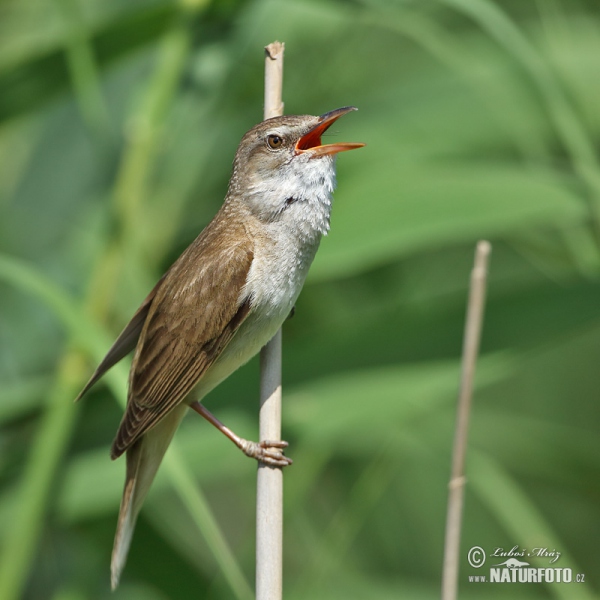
column 516, row 570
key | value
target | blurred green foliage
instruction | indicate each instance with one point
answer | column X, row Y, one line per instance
column 118, row 124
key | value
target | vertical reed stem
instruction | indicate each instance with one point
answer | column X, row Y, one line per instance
column 269, row 494
column 471, row 338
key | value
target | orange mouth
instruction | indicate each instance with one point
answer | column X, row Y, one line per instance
column 311, row 141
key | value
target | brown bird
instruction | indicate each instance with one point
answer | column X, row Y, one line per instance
column 223, row 299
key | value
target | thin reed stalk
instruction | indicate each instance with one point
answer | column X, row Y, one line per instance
column 269, row 484
column 456, row 486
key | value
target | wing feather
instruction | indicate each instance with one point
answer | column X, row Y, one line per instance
column 126, row 341
column 194, row 315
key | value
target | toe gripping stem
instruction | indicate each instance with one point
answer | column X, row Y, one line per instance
column 268, row 452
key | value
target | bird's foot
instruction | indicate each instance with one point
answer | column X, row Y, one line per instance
column 267, row 452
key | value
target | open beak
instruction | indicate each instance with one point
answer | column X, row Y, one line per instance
column 311, row 141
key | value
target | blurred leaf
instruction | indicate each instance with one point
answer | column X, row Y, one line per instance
column 88, row 335
column 17, row 399
column 33, row 80
column 520, row 517
column 387, row 214
column 334, row 410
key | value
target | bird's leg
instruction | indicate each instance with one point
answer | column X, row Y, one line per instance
column 269, row 453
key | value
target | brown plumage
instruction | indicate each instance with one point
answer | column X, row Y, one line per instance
column 191, row 318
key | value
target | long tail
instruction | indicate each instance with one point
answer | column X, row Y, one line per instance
column 143, row 460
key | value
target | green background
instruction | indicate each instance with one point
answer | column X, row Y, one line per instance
column 118, row 123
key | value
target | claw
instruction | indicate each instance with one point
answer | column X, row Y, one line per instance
column 266, row 444
column 267, row 452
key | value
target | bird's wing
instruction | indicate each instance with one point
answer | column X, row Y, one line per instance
column 194, row 315
column 126, row 341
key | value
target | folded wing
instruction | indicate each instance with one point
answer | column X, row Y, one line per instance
column 193, row 316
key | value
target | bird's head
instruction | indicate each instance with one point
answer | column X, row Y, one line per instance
column 282, row 161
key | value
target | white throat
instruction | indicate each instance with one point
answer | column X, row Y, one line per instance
column 298, row 197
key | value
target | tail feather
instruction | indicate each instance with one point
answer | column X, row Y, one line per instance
column 143, row 460
column 127, row 516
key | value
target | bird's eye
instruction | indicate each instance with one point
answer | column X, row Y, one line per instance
column 275, row 141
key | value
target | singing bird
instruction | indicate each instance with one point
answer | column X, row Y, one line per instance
column 223, row 299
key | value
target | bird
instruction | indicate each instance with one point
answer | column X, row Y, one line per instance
column 223, row 299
